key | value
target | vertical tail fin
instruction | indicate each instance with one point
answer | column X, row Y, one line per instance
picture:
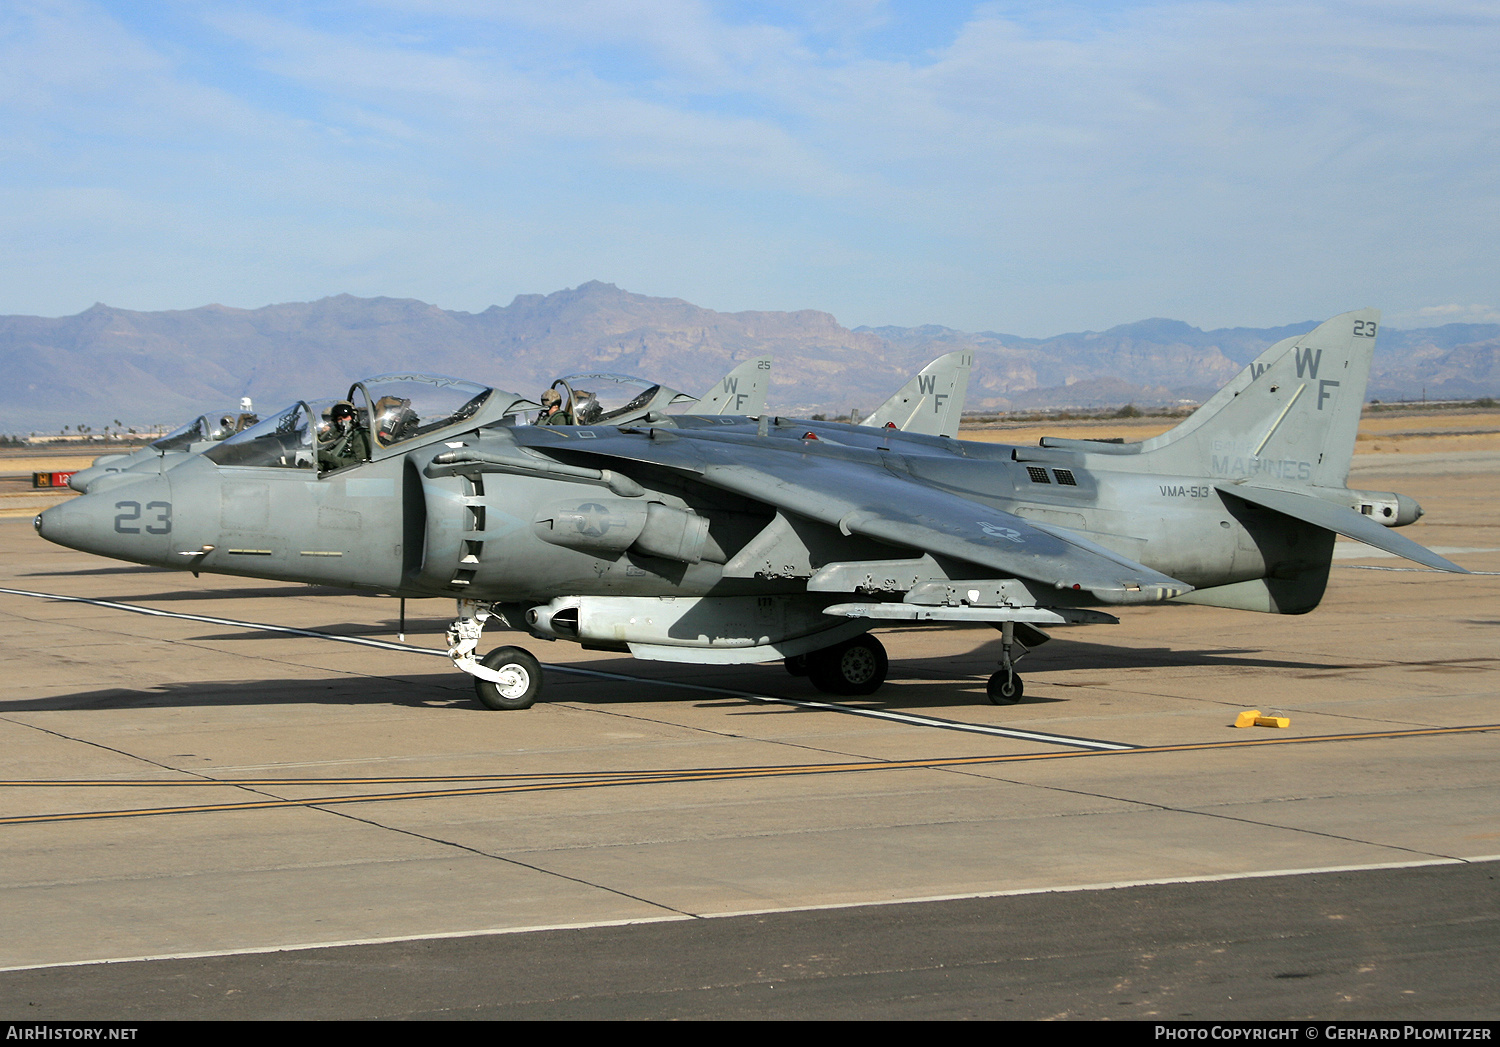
column 932, row 402
column 741, row 391
column 1290, row 417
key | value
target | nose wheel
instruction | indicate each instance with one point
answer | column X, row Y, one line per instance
column 517, row 679
column 507, row 677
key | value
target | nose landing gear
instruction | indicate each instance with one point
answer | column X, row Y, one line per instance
column 519, row 679
column 507, row 677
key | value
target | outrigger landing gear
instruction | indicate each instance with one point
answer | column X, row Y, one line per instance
column 507, row 677
column 1005, row 686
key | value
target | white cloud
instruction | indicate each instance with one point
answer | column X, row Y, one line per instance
column 1452, row 313
column 1023, row 167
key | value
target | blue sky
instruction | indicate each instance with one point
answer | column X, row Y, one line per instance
column 1020, row 167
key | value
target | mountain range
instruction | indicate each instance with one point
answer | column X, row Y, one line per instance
column 146, row 368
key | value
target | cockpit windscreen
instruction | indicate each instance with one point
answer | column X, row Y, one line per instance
column 405, row 406
column 284, row 440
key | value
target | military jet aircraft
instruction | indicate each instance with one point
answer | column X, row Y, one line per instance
column 728, row 539
column 605, row 398
column 191, row 437
column 620, row 399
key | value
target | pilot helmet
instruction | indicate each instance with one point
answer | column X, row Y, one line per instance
column 586, row 409
column 394, row 418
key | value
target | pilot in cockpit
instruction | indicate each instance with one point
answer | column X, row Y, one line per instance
column 348, row 443
column 551, row 412
column 586, row 409
column 582, row 407
column 395, row 420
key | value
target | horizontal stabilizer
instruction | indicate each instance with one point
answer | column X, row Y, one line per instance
column 1340, row 520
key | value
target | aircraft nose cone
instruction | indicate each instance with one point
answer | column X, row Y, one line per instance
column 68, row 523
column 130, row 522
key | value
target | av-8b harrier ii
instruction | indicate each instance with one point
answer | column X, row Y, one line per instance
column 192, row 437
column 725, row 539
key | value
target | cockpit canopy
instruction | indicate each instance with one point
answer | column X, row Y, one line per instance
column 285, row 439
column 392, row 408
column 401, row 407
column 204, row 429
column 603, row 398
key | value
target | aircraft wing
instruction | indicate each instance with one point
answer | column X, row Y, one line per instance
column 1340, row 520
column 874, row 499
column 932, row 402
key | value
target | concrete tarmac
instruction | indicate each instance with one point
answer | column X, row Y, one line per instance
column 194, row 784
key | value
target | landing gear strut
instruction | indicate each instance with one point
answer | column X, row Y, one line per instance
column 507, row 677
column 1005, row 686
column 856, row 666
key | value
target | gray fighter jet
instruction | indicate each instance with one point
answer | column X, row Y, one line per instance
column 618, row 398
column 191, row 437
column 724, row 539
column 605, row 398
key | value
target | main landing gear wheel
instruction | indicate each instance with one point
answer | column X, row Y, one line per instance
column 1005, row 688
column 521, row 683
column 856, row 666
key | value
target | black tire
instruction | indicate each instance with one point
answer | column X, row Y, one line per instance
column 856, row 666
column 526, row 683
column 796, row 664
column 1005, row 688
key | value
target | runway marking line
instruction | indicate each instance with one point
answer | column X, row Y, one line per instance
column 489, row 932
column 910, row 719
column 569, row 781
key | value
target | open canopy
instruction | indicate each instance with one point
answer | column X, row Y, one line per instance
column 603, row 398
column 392, row 408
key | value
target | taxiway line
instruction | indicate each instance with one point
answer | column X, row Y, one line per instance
column 554, row 783
column 1426, row 570
column 1018, row 892
column 910, row 719
column 682, row 773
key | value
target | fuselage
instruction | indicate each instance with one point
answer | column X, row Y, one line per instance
column 402, row 525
